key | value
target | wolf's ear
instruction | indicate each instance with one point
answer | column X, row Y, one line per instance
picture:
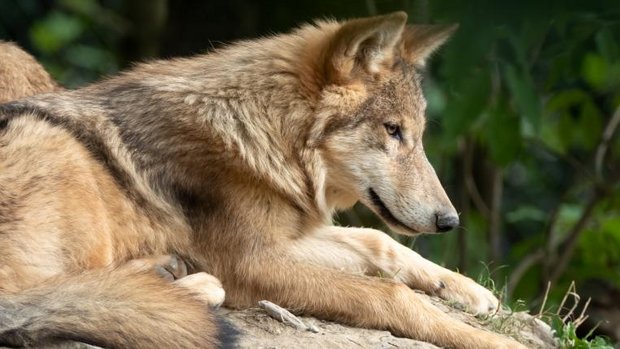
column 361, row 45
column 422, row 40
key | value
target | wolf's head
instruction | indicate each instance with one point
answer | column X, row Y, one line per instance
column 370, row 122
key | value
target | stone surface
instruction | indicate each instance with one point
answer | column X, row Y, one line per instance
column 259, row 330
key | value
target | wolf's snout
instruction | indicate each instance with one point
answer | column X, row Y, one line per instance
column 446, row 221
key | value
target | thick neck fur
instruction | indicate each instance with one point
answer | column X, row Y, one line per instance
column 188, row 124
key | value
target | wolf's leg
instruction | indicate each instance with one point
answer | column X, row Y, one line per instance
column 122, row 307
column 353, row 299
column 373, row 252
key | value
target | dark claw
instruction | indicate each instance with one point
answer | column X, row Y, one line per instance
column 164, row 273
column 176, row 267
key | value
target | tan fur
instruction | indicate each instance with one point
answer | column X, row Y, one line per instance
column 108, row 298
column 21, row 75
column 236, row 161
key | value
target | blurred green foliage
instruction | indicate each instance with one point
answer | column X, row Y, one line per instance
column 532, row 87
column 524, row 106
column 76, row 40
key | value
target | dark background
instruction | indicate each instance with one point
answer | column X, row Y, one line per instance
column 524, row 104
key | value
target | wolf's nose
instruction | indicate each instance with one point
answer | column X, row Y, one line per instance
column 446, row 222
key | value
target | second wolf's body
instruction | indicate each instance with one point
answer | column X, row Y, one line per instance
column 235, row 161
column 21, row 75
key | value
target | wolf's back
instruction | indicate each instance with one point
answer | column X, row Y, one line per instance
column 21, row 75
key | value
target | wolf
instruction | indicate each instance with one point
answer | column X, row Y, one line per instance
column 229, row 166
column 21, row 75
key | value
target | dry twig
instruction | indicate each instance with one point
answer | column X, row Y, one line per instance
column 285, row 316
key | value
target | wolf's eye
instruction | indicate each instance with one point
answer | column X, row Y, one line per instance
column 393, row 130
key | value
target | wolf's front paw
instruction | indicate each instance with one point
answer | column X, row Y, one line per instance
column 477, row 300
column 205, row 287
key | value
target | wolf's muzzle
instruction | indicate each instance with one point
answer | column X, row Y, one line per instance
column 446, row 222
